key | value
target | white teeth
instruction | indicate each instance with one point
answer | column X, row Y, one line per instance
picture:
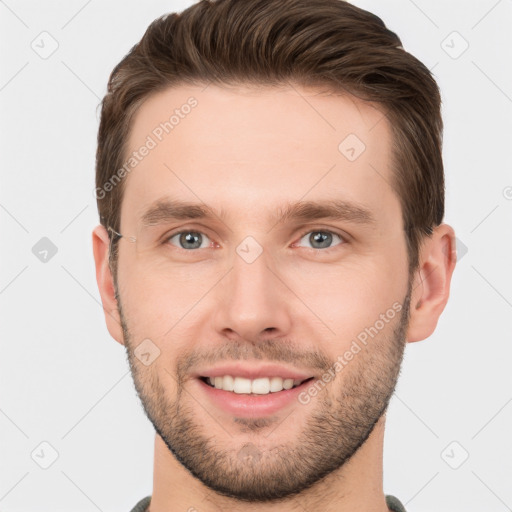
column 241, row 385
column 259, row 386
column 276, row 384
column 288, row 383
column 228, row 383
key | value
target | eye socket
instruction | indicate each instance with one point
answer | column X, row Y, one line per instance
column 324, row 240
column 190, row 237
column 198, row 240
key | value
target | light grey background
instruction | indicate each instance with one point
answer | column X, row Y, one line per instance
column 65, row 382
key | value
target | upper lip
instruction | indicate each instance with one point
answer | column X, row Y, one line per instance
column 253, row 371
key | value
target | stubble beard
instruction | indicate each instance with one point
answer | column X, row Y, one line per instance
column 339, row 422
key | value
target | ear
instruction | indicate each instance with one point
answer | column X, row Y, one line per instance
column 431, row 284
column 100, row 245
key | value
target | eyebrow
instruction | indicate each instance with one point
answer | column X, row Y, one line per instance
column 166, row 210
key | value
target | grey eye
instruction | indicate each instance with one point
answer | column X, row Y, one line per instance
column 190, row 240
column 320, row 239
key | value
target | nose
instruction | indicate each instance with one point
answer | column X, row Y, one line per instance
column 253, row 303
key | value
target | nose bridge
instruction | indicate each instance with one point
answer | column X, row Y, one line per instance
column 253, row 298
column 250, row 274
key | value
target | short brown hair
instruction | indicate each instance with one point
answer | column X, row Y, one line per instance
column 328, row 43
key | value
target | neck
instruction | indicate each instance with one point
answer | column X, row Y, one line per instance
column 355, row 487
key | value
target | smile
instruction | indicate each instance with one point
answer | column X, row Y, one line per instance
column 259, row 386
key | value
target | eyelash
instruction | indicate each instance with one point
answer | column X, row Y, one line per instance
column 320, row 230
column 167, row 238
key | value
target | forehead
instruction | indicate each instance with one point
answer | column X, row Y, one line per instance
column 249, row 149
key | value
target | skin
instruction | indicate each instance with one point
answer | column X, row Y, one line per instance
column 248, row 151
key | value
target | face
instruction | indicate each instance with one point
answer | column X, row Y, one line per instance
column 290, row 270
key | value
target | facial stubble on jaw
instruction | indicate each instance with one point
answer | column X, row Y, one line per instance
column 336, row 428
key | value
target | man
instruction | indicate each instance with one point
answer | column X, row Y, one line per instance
column 271, row 194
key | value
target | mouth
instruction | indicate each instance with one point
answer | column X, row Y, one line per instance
column 258, row 386
column 251, row 389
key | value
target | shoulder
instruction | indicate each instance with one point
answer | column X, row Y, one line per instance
column 142, row 505
column 394, row 504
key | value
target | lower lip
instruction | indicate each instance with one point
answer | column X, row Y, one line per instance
column 249, row 406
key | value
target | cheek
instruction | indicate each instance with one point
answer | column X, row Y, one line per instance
column 350, row 296
column 347, row 296
column 157, row 299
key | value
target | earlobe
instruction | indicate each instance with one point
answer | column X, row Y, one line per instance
column 105, row 281
column 431, row 285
